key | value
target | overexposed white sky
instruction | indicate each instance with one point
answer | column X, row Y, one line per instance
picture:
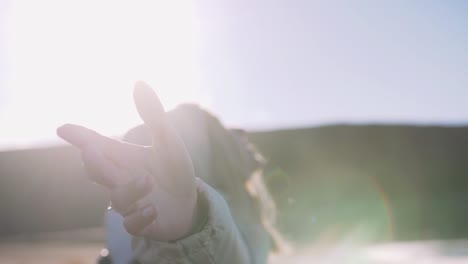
column 76, row 61
column 257, row 64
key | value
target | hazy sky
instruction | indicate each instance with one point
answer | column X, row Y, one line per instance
column 257, row 64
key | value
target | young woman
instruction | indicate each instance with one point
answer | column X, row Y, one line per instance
column 184, row 188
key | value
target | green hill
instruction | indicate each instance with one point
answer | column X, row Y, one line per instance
column 402, row 181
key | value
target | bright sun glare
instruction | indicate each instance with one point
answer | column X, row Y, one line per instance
column 76, row 61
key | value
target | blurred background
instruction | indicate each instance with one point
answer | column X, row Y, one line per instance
column 359, row 107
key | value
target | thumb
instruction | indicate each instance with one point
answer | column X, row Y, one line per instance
column 150, row 109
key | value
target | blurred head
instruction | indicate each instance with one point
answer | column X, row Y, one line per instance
column 233, row 166
column 222, row 157
column 226, row 160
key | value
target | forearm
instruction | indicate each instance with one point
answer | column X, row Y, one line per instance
column 218, row 239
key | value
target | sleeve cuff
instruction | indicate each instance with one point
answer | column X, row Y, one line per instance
column 214, row 233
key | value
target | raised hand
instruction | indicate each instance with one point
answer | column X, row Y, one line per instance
column 153, row 187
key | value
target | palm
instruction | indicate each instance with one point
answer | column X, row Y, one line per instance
column 174, row 191
column 165, row 166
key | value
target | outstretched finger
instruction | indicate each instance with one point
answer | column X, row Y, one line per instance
column 100, row 169
column 151, row 111
column 83, row 138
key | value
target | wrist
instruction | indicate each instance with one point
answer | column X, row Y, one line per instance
column 200, row 215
